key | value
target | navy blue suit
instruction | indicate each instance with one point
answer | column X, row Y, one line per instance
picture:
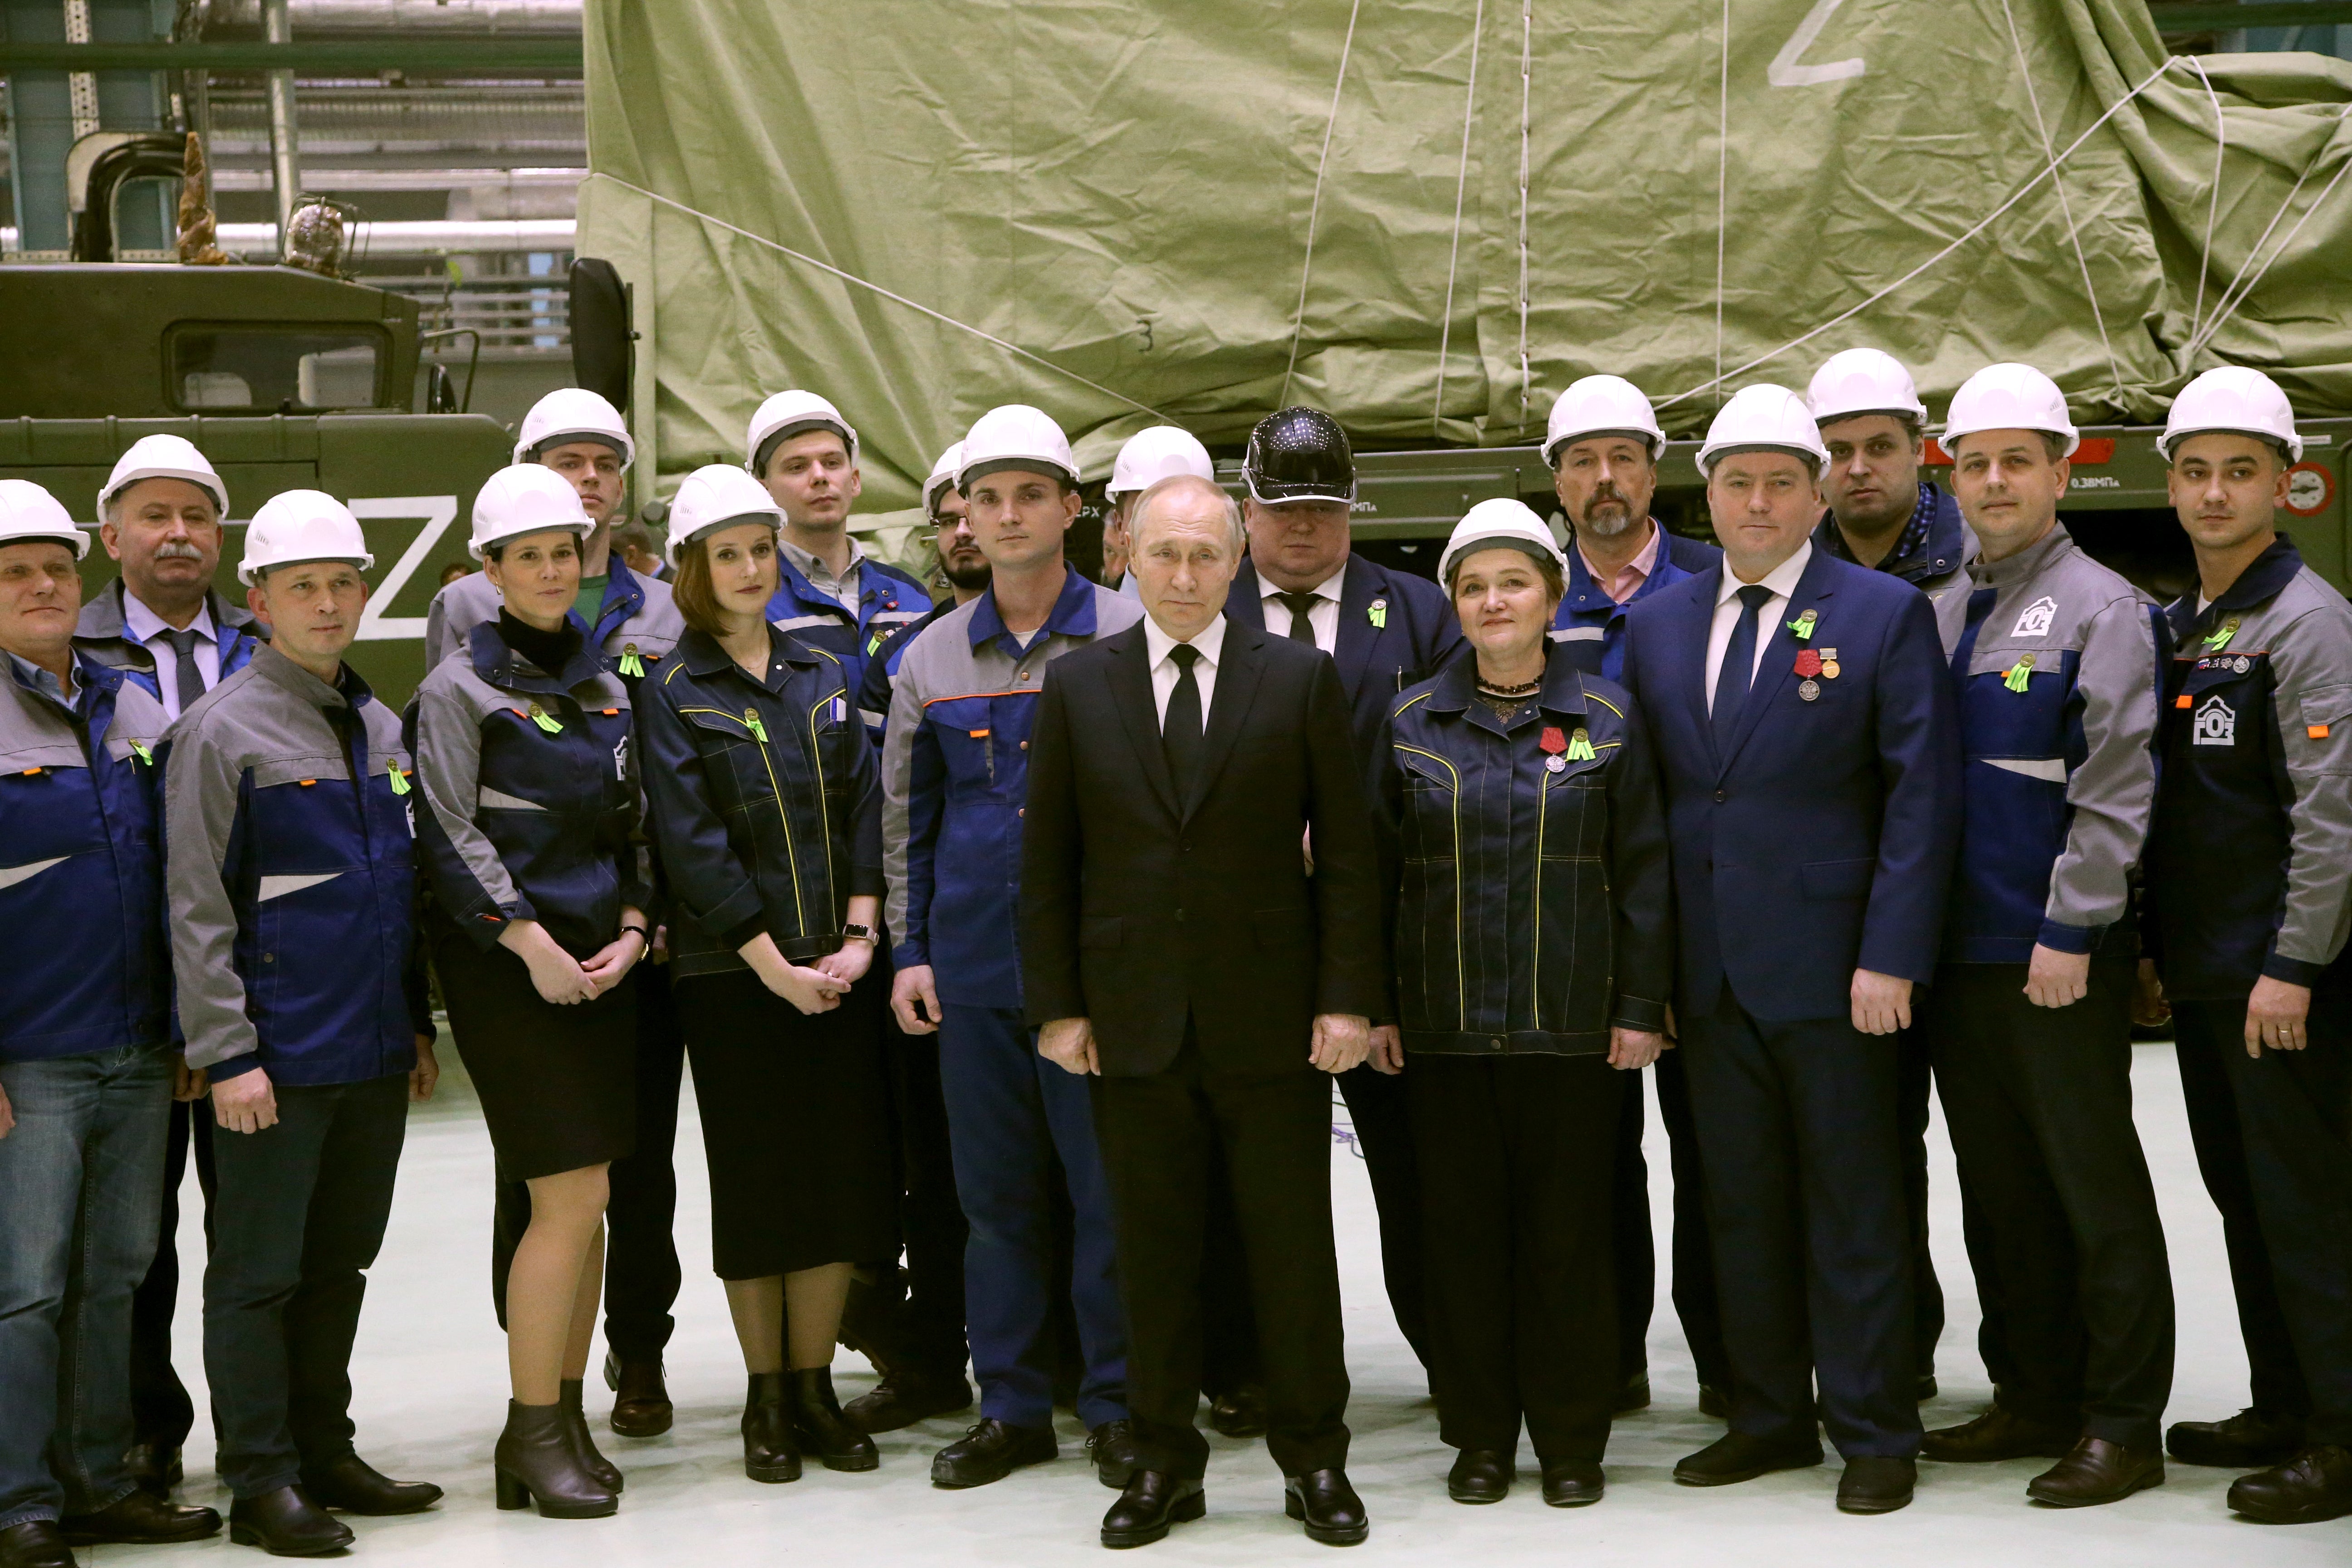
column 1380, row 652
column 1819, row 842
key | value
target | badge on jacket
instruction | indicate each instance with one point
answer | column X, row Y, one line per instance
column 1802, row 626
column 1378, row 614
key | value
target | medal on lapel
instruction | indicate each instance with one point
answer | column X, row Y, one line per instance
column 1802, row 626
column 1378, row 614
column 2221, row 639
column 2016, row 676
column 1554, row 743
column 1809, row 663
column 1829, row 664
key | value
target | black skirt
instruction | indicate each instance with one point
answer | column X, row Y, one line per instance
column 558, row 1085
column 795, row 1126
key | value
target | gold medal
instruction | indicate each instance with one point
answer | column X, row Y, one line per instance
column 1829, row 670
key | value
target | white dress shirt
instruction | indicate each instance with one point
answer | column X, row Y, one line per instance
column 1782, row 581
column 1164, row 673
column 1323, row 616
column 147, row 628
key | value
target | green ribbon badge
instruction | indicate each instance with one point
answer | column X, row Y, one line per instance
column 2018, row 673
column 631, row 665
column 1803, row 625
column 751, row 722
column 1579, row 747
column 139, row 751
column 399, row 780
column 2221, row 639
column 1378, row 614
column 873, row 643
column 546, row 720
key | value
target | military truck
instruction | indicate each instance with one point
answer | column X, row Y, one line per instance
column 285, row 379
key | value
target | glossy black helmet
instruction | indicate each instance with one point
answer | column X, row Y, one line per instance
column 1299, row 454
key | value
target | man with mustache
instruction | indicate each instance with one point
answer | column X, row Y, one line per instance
column 160, row 518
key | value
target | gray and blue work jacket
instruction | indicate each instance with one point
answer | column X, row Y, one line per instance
column 636, row 626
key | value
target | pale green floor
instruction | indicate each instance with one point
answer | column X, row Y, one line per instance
column 430, row 1376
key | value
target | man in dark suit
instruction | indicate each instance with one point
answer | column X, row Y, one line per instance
column 1806, row 734
column 1385, row 630
column 1175, row 943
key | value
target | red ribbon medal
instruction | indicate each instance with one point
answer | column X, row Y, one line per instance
column 1809, row 662
column 1553, row 739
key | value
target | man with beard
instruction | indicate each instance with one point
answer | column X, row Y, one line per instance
column 1603, row 442
column 160, row 517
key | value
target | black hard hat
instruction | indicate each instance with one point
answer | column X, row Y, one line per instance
column 1299, row 454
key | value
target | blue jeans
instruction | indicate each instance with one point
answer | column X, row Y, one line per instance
column 1010, row 1114
column 80, row 1184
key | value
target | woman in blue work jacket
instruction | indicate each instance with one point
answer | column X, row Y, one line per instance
column 521, row 743
column 767, row 806
column 1529, row 876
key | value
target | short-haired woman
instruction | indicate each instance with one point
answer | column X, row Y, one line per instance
column 530, row 802
column 767, row 805
column 1533, row 957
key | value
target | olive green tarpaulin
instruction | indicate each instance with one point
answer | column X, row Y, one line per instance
column 1429, row 216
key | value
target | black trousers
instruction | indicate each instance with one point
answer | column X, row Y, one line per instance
column 1805, row 1202
column 1516, row 1156
column 923, row 1307
column 2040, row 1105
column 162, row 1413
column 1379, row 1106
column 2273, row 1138
column 300, row 1217
column 1158, row 1134
column 641, row 1268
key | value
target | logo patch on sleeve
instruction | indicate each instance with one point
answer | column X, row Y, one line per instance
column 2216, row 724
column 2034, row 620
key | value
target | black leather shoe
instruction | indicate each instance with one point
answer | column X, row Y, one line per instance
column 139, row 1518
column 1999, row 1434
column 285, row 1523
column 1479, row 1474
column 35, row 1544
column 535, row 1464
column 1151, row 1502
column 1875, row 1485
column 1735, row 1457
column 153, row 1465
column 354, row 1486
column 2097, row 1471
column 1328, row 1505
column 1239, row 1411
column 819, row 1428
column 770, row 1453
column 991, row 1451
column 2315, row 1485
column 1116, row 1454
column 1634, row 1395
column 2247, row 1441
column 1926, row 1387
column 641, row 1406
column 902, row 1399
column 1713, row 1401
column 1572, row 1483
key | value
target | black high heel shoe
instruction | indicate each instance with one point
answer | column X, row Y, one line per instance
column 819, row 1428
column 535, row 1463
column 575, row 1421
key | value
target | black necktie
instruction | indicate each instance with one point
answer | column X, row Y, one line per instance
column 191, row 679
column 1301, row 628
column 1179, row 730
column 1739, row 671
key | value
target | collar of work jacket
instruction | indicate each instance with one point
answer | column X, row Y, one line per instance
column 705, row 660
column 503, row 668
column 2262, row 580
column 1456, row 691
column 2011, row 571
column 1073, row 615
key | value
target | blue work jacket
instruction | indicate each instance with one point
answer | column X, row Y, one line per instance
column 887, row 599
column 1591, row 625
column 764, row 799
column 82, row 886
column 1528, row 871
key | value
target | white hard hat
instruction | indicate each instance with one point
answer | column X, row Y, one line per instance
column 1160, row 453
column 943, row 479
column 2010, row 398
column 1863, row 380
column 1764, row 416
column 714, row 497
column 2234, row 398
column 1015, row 436
column 789, row 413
column 298, row 526
column 1503, row 521
column 572, row 414
column 29, row 511
column 1598, row 405
column 162, row 457
column 525, row 498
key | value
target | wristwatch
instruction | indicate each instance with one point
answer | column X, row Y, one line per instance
column 857, row 934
